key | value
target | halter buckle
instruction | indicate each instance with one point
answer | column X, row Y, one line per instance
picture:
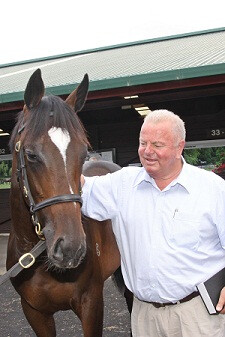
column 17, row 146
column 24, row 256
column 25, row 192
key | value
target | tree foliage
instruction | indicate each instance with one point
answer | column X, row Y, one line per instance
column 212, row 157
column 5, row 169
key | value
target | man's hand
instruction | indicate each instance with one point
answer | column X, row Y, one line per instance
column 82, row 180
column 221, row 304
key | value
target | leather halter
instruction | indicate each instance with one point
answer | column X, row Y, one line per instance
column 28, row 259
column 24, row 186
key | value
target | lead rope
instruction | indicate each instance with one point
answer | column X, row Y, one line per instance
column 25, row 261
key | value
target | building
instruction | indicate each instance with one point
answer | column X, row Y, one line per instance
column 183, row 73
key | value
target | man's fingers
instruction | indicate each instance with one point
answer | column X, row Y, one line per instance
column 221, row 302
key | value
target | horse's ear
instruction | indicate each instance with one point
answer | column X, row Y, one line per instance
column 78, row 97
column 35, row 90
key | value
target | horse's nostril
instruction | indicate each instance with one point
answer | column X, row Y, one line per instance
column 58, row 252
column 80, row 252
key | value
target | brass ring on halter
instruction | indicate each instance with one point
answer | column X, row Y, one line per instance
column 17, row 146
column 33, row 219
column 38, row 231
column 29, row 264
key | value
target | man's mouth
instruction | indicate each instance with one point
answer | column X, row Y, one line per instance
column 150, row 161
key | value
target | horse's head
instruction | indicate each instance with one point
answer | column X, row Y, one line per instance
column 51, row 147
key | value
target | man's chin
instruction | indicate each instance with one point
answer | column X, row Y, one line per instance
column 151, row 169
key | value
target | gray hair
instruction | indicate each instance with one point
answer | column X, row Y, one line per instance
column 177, row 123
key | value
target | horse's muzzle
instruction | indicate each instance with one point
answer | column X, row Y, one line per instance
column 65, row 255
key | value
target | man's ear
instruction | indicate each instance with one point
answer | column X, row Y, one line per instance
column 181, row 146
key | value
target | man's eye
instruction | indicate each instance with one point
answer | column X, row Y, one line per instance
column 158, row 145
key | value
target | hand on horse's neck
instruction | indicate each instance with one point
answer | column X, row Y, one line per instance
column 163, row 182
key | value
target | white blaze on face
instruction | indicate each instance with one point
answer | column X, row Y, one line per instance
column 61, row 139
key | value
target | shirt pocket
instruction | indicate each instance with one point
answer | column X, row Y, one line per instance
column 185, row 231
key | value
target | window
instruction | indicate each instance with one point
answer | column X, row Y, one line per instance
column 209, row 155
column 5, row 170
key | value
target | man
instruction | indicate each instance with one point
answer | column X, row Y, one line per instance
column 169, row 223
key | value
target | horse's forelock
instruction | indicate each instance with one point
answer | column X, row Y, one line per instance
column 51, row 112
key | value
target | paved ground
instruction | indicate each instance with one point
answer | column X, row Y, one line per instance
column 14, row 324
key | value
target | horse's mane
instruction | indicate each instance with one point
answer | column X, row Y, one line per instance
column 52, row 111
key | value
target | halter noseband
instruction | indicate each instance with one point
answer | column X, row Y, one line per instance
column 24, row 185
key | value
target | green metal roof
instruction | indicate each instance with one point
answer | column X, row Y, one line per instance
column 151, row 61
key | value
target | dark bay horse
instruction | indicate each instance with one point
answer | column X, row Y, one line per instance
column 49, row 147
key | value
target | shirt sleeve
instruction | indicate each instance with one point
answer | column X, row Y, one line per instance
column 100, row 196
column 220, row 210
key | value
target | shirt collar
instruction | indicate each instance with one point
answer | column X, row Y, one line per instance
column 142, row 176
column 183, row 179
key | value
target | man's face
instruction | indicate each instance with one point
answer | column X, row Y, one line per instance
column 159, row 149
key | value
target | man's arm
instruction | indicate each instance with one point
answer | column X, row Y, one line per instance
column 99, row 194
column 82, row 180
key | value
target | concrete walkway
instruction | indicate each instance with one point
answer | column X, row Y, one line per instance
column 3, row 249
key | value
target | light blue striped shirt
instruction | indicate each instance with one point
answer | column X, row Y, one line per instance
column 169, row 240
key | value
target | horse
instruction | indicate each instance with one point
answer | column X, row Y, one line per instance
column 49, row 146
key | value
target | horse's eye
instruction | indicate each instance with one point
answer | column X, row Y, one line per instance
column 31, row 156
